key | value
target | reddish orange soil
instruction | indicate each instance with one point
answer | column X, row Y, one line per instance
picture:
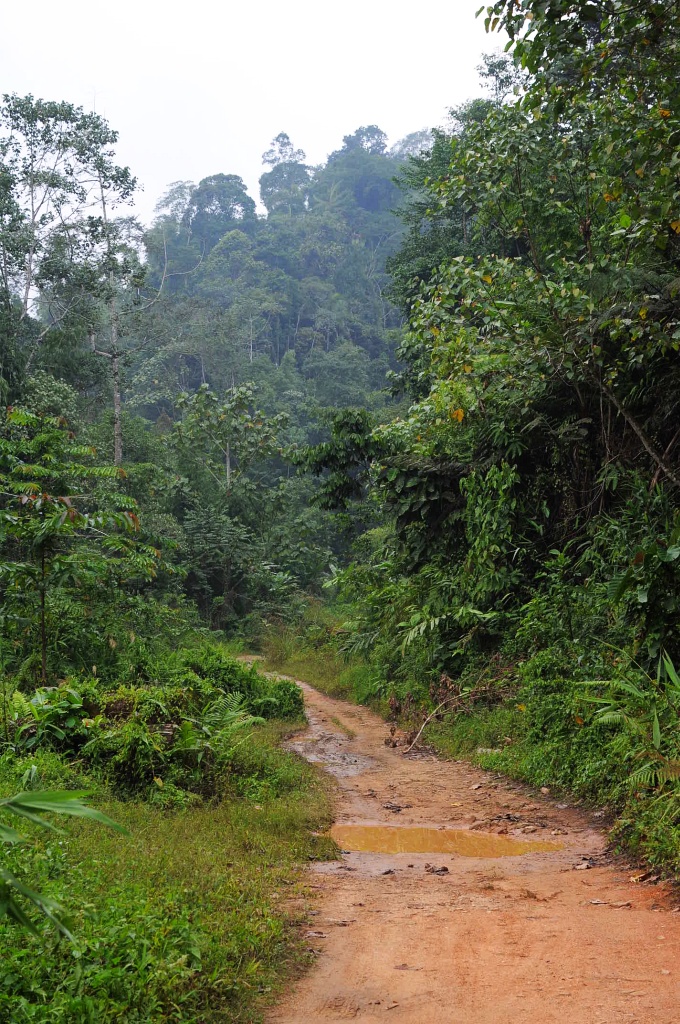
column 530, row 939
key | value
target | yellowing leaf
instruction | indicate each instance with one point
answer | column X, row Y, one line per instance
column 467, row 368
column 664, row 112
column 488, row 278
column 675, row 224
column 643, row 313
column 457, row 414
column 521, row 707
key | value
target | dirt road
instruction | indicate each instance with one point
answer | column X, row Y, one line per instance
column 530, row 938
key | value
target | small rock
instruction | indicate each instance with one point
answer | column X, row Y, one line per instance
column 390, row 871
column 545, row 791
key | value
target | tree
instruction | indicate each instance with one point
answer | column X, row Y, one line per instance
column 58, row 547
column 282, row 151
column 218, row 204
column 57, row 173
column 225, row 438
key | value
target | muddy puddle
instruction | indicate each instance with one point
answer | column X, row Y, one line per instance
column 401, row 839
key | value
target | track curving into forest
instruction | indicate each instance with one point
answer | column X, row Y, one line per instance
column 556, row 935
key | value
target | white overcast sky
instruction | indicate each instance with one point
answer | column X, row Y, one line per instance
column 201, row 87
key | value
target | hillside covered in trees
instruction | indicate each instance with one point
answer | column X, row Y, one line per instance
column 411, row 423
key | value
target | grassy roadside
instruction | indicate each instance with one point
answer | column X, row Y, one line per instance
column 188, row 918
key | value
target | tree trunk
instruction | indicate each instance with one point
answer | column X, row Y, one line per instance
column 43, row 628
column 115, row 378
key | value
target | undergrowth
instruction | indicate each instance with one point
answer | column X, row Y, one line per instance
column 183, row 919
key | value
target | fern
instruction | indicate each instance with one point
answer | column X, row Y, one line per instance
column 225, row 717
column 21, row 707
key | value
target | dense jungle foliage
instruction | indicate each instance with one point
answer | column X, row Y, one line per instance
column 412, row 426
column 518, row 557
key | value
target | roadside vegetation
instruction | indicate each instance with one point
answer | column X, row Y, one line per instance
column 516, row 533
column 183, row 917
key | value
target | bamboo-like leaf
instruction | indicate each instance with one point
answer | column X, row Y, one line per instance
column 33, row 804
column 52, row 910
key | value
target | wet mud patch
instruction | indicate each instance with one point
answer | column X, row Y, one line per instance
column 403, row 839
column 332, row 750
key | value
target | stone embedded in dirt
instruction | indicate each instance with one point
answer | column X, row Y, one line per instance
column 529, row 828
column 390, row 871
column 582, row 867
column 545, row 791
column 477, row 785
column 432, row 870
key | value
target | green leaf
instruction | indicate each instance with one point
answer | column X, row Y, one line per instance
column 31, row 805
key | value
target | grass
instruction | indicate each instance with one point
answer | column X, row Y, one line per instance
column 184, row 920
column 349, row 733
column 326, row 671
